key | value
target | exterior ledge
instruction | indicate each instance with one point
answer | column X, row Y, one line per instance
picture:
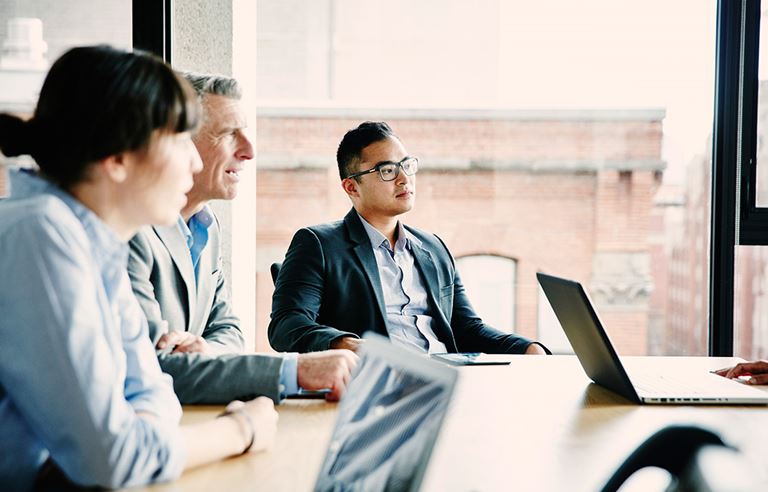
column 273, row 162
column 266, row 110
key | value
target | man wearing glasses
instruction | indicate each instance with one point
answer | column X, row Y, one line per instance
column 371, row 272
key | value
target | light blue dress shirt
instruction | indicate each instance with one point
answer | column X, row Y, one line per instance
column 405, row 297
column 76, row 362
column 196, row 234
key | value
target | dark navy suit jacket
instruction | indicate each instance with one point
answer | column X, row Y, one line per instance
column 329, row 287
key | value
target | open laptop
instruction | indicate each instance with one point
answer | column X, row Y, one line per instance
column 388, row 420
column 657, row 380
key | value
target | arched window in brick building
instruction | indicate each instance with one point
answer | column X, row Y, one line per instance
column 490, row 282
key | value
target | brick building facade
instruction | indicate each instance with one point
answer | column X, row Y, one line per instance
column 565, row 192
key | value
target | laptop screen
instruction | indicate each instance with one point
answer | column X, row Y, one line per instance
column 589, row 340
column 387, row 421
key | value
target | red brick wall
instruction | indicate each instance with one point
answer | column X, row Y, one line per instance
column 529, row 141
column 545, row 216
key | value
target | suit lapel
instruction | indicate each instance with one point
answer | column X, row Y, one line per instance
column 174, row 241
column 426, row 265
column 364, row 253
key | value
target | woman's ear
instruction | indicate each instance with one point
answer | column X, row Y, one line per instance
column 115, row 167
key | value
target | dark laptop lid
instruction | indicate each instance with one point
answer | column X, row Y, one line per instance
column 388, row 421
column 589, row 340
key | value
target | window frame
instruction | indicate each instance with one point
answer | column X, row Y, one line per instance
column 152, row 30
column 735, row 218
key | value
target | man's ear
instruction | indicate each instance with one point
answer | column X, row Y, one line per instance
column 350, row 187
column 115, row 167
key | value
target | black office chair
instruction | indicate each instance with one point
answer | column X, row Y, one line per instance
column 681, row 450
column 274, row 269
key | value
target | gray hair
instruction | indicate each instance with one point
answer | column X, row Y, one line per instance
column 219, row 85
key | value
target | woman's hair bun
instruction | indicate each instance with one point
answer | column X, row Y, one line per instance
column 15, row 138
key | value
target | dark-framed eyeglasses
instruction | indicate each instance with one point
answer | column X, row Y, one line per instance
column 389, row 171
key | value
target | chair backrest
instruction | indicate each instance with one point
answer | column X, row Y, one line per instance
column 674, row 449
column 274, row 269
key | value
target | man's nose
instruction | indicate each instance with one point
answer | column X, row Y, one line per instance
column 402, row 178
column 244, row 148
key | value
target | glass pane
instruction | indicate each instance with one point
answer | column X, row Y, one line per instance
column 762, row 113
column 34, row 33
column 751, row 266
column 751, row 302
column 560, row 134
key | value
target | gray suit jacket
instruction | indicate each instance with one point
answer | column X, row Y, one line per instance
column 163, row 280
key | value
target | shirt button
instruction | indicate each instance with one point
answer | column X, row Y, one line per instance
column 378, row 411
column 282, row 388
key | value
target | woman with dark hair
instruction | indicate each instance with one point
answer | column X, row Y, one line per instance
column 82, row 398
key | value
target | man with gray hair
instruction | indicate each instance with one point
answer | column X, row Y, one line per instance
column 177, row 277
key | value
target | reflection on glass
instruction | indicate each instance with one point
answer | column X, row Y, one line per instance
column 386, row 427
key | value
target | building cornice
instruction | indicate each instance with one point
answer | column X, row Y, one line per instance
column 282, row 161
column 267, row 110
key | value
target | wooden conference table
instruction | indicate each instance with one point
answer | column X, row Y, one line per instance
column 536, row 424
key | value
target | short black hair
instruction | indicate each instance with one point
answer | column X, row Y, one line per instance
column 355, row 140
column 98, row 101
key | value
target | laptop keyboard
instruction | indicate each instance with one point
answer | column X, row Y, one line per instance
column 664, row 385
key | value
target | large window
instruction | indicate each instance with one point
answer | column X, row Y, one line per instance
column 573, row 137
column 33, row 33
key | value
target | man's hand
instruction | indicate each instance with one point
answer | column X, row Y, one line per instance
column 349, row 343
column 183, row 342
column 535, row 349
column 330, row 369
column 757, row 370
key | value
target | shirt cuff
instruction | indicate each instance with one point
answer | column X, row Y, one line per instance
column 289, row 375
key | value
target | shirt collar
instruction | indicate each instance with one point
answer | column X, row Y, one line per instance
column 202, row 219
column 106, row 245
column 404, row 238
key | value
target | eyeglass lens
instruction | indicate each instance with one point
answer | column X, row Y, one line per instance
column 388, row 172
